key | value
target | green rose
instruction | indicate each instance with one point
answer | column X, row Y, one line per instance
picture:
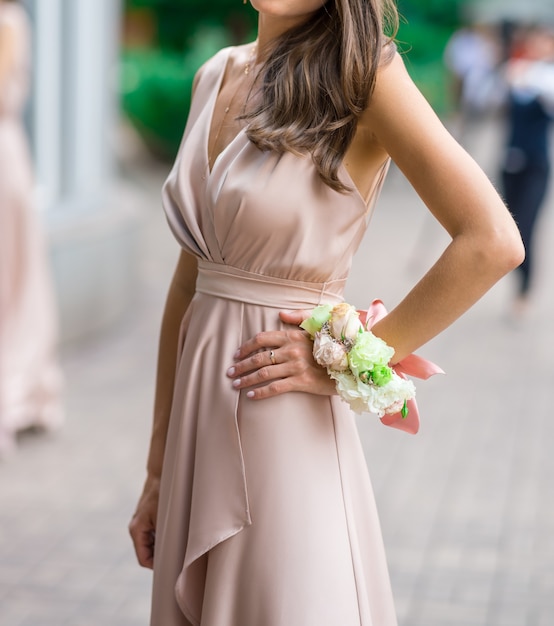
column 320, row 315
column 381, row 375
column 368, row 352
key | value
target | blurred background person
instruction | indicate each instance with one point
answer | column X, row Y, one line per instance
column 473, row 55
column 526, row 162
column 30, row 379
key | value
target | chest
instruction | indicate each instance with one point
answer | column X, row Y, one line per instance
column 229, row 107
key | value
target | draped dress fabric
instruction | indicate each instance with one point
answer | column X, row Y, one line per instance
column 30, row 379
column 266, row 513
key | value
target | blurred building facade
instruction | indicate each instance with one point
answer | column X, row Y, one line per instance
column 89, row 218
column 514, row 10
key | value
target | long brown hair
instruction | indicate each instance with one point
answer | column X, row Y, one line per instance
column 318, row 80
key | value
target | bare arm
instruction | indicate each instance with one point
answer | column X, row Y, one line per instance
column 179, row 297
column 485, row 241
column 181, row 291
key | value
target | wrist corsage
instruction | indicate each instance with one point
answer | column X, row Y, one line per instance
column 359, row 363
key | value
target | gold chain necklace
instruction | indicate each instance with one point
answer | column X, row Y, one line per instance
column 246, row 71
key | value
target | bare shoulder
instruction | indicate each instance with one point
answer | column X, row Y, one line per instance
column 368, row 151
column 393, row 69
column 395, row 92
column 444, row 175
column 402, row 121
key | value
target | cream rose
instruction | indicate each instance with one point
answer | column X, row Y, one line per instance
column 345, row 322
column 329, row 353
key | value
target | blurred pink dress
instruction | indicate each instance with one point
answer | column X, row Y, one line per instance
column 266, row 514
column 30, row 379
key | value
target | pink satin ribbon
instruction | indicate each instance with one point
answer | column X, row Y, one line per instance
column 412, row 365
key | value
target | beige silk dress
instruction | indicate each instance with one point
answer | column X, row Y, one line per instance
column 30, row 378
column 266, row 514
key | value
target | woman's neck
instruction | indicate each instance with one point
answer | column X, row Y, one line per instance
column 271, row 28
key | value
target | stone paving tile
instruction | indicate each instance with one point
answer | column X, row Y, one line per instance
column 466, row 506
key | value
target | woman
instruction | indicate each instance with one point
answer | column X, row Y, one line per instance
column 30, row 380
column 526, row 167
column 257, row 508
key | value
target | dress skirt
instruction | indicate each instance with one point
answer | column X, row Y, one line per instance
column 267, row 516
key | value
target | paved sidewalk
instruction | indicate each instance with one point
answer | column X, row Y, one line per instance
column 467, row 506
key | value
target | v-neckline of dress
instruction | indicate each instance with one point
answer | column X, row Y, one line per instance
column 366, row 203
column 211, row 112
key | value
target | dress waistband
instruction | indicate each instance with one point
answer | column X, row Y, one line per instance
column 231, row 283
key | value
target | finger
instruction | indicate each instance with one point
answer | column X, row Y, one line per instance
column 261, row 341
column 301, row 380
column 275, row 388
column 144, row 548
column 255, row 362
column 294, row 318
column 264, row 375
column 143, row 536
column 145, row 555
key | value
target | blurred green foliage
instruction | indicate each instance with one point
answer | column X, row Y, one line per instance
column 158, row 65
column 157, row 72
column 156, row 87
column 426, row 26
column 178, row 20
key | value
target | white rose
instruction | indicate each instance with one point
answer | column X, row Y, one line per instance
column 329, row 353
column 391, row 397
column 347, row 388
column 364, row 398
column 345, row 322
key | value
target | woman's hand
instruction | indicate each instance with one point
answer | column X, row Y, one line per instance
column 277, row 362
column 143, row 524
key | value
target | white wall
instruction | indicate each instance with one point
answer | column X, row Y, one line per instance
column 90, row 220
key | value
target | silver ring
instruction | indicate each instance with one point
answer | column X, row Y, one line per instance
column 272, row 357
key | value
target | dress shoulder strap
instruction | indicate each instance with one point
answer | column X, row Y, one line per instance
column 209, row 75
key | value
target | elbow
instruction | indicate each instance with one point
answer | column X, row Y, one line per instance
column 514, row 250
column 518, row 254
column 505, row 250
